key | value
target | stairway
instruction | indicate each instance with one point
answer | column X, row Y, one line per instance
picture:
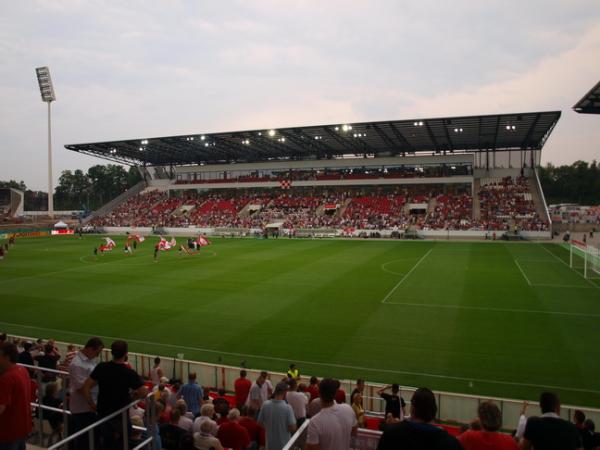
column 476, row 203
column 432, row 205
column 342, row 209
column 536, row 196
column 108, row 207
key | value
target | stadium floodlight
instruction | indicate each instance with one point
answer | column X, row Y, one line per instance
column 48, row 96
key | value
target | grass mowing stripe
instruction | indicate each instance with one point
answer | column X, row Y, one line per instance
column 313, row 363
column 406, row 276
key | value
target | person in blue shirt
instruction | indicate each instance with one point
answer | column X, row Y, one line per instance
column 192, row 393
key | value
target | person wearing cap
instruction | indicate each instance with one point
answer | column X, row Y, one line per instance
column 278, row 419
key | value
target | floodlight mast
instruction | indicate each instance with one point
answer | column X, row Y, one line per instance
column 48, row 96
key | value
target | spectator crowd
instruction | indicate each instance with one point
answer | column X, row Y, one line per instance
column 504, row 203
column 259, row 413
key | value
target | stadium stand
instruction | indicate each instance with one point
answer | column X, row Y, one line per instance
column 575, row 214
column 504, row 203
column 508, row 201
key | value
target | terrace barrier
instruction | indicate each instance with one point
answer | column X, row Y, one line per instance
column 452, row 407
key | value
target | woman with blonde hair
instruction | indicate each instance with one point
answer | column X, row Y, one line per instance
column 357, row 407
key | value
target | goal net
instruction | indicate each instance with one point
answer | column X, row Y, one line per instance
column 585, row 258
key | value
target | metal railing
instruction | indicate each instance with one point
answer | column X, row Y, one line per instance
column 123, row 414
column 298, row 440
column 40, row 407
column 452, row 407
column 365, row 439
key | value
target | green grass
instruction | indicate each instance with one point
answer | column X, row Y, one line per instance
column 505, row 319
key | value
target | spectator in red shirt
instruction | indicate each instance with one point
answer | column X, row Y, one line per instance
column 255, row 431
column 232, row 434
column 340, row 395
column 15, row 394
column 488, row 438
column 313, row 388
column 242, row 388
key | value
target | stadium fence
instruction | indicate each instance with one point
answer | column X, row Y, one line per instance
column 452, row 407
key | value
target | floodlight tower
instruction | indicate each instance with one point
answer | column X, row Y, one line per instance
column 48, row 96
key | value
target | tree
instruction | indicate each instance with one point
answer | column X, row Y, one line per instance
column 13, row 184
column 575, row 183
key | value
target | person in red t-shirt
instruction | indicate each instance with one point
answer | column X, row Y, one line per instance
column 232, row 434
column 488, row 438
column 242, row 388
column 255, row 430
column 340, row 395
column 313, row 388
column 15, row 395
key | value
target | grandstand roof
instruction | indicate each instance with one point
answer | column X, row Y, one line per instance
column 498, row 132
column 590, row 103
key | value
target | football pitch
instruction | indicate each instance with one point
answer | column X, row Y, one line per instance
column 502, row 319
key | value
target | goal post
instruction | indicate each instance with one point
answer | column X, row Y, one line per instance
column 585, row 258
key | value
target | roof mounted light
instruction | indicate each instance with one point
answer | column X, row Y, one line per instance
column 271, row 133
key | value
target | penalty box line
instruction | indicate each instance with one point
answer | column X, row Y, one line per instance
column 403, row 279
column 570, row 286
column 522, row 272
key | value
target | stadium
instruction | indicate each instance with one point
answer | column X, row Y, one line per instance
column 418, row 252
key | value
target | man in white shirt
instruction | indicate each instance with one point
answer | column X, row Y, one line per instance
column 80, row 368
column 266, row 389
column 255, row 398
column 333, row 427
column 298, row 401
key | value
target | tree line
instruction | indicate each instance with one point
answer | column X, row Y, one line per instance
column 575, row 183
column 79, row 190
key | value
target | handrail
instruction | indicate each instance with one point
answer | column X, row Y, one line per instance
column 296, row 435
column 95, row 424
column 39, row 406
column 43, row 369
column 51, row 408
column 542, row 197
column 143, row 443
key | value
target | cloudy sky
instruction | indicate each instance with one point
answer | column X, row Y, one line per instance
column 127, row 69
